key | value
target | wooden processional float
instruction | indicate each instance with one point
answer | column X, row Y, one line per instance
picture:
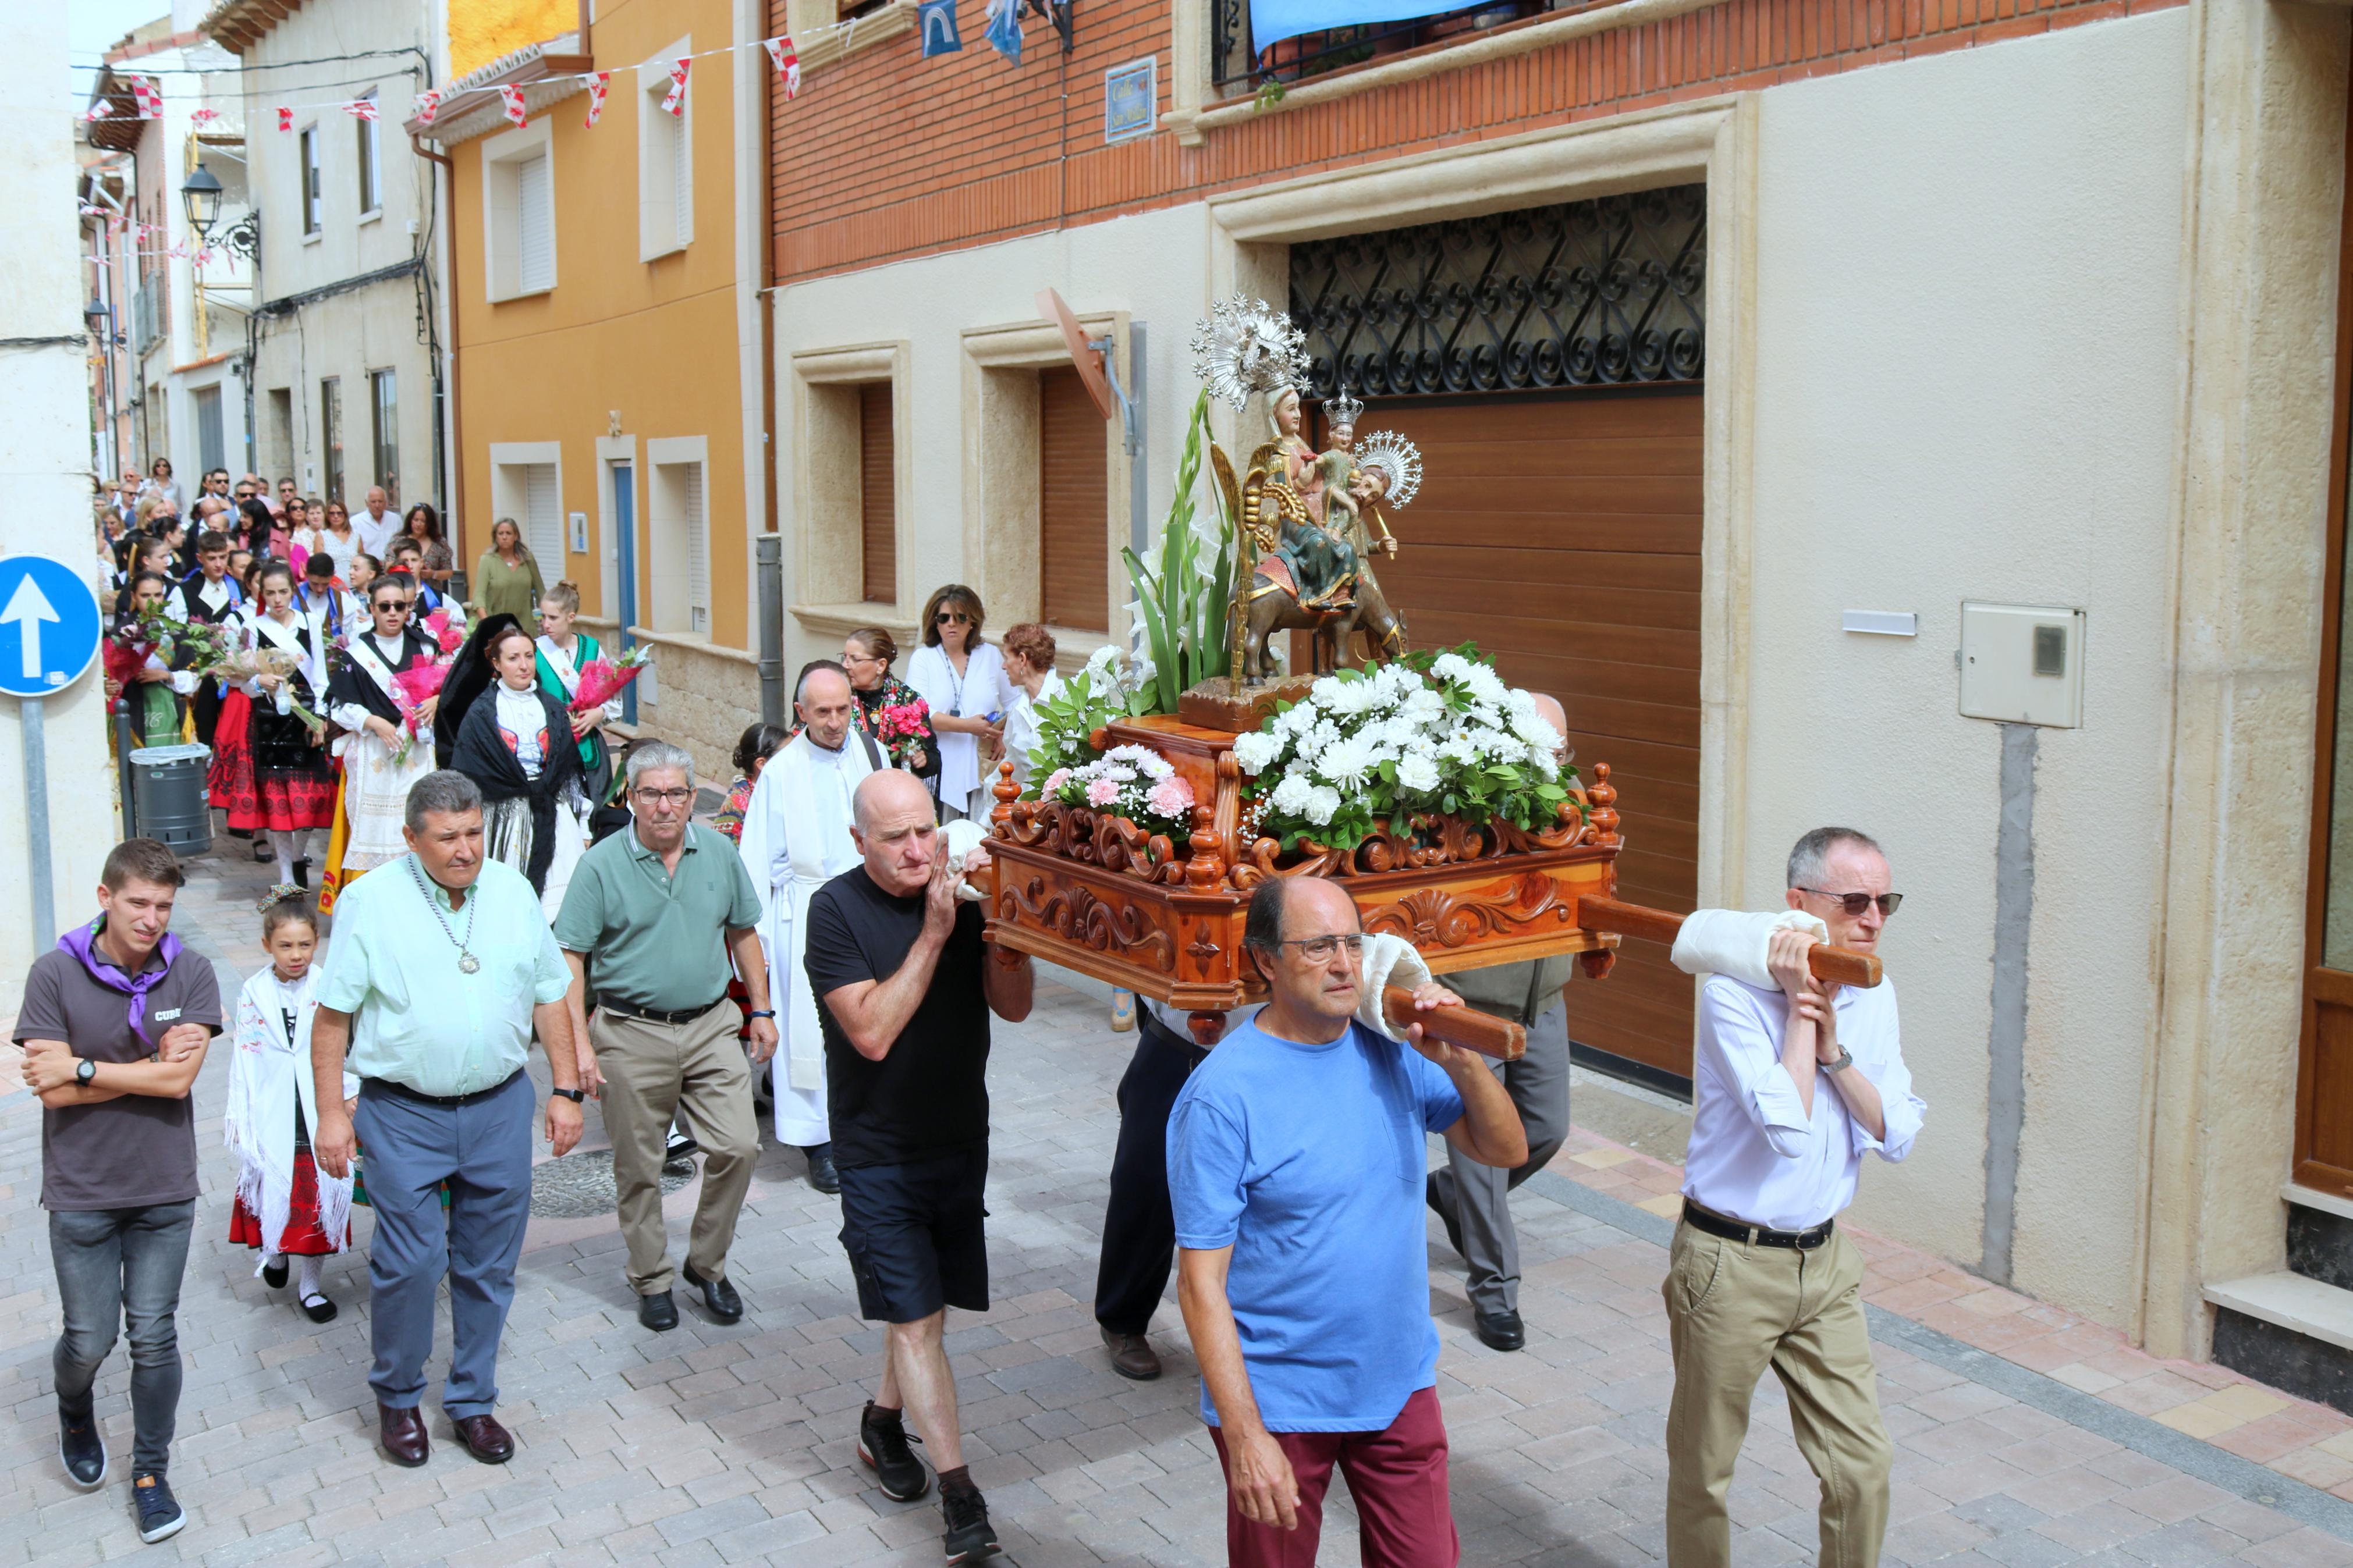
column 1095, row 892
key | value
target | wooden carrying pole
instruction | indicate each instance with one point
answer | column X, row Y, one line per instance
column 1464, row 1026
column 1841, row 966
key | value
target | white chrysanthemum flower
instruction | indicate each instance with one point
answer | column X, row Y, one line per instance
column 1453, row 667
column 1346, row 762
column 1316, row 741
column 1486, row 685
column 1417, row 772
column 1495, row 743
column 1323, row 804
column 1295, row 719
column 1521, row 703
column 1424, row 705
column 1538, row 735
column 1541, row 758
column 1254, row 750
column 1459, row 747
column 1291, row 796
column 1345, row 699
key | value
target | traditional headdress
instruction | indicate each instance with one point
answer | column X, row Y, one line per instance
column 1247, row 346
column 1398, row 457
column 1343, row 409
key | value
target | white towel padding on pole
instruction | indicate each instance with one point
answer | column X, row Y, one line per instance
column 1739, row 944
column 1388, row 961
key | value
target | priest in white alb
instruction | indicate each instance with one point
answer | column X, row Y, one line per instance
column 796, row 839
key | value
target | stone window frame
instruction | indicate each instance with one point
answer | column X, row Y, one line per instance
column 828, row 584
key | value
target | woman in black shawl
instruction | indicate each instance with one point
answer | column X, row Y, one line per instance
column 514, row 741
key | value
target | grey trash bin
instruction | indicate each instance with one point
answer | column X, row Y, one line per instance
column 167, row 785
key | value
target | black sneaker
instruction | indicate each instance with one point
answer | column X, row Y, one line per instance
column 679, row 1148
column 969, row 1537
column 160, row 1518
column 83, row 1451
column 882, row 1439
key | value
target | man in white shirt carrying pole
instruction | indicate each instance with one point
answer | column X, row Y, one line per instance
column 796, row 839
column 1791, row 1089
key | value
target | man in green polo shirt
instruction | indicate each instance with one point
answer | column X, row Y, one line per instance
column 658, row 908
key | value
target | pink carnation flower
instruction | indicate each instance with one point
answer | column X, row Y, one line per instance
column 1101, row 792
column 1172, row 797
column 1054, row 783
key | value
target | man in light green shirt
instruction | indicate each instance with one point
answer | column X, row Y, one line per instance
column 440, row 968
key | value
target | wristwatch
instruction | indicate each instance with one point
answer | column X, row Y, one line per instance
column 762, row 1012
column 1845, row 1060
column 85, row 1070
column 577, row 1095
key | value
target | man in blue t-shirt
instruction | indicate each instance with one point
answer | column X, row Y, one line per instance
column 1297, row 1158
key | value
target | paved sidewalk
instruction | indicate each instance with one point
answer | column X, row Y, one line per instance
column 721, row 1446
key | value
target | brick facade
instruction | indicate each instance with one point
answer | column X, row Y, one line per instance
column 887, row 155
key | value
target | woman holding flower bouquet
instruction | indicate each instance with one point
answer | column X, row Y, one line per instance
column 516, row 742
column 294, row 789
column 385, row 692
column 563, row 653
column 890, row 710
column 136, row 669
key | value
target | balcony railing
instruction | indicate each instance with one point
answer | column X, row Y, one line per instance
column 1238, row 66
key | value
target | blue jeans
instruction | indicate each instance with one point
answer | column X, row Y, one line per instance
column 123, row 1265
column 483, row 1150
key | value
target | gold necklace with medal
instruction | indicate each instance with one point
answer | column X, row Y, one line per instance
column 467, row 962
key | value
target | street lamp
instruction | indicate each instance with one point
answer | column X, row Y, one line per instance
column 95, row 314
column 202, row 197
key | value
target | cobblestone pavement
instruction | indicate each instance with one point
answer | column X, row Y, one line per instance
column 715, row 1445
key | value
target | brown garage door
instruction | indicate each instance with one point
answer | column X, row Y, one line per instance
column 1561, row 533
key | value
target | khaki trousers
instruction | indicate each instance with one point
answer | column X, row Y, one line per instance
column 696, row 1071
column 1733, row 1310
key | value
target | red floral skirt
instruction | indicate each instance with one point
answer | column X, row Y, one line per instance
column 229, row 780
column 287, row 802
column 302, row 1237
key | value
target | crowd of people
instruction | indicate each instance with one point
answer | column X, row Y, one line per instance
column 514, row 880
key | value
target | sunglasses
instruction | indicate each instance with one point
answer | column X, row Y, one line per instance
column 955, row 618
column 1855, row 903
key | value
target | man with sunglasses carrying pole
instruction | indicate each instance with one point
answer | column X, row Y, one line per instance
column 1791, row 1087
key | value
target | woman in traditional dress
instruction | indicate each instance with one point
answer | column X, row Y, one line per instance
column 156, row 693
column 516, row 742
column 563, row 653
column 228, row 777
column 366, row 698
column 963, row 678
column 422, row 524
column 293, row 785
column 506, row 579
column 285, row 1205
column 866, row 654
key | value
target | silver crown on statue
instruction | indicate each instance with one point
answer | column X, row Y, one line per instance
column 1341, row 408
column 1398, row 459
column 1247, row 346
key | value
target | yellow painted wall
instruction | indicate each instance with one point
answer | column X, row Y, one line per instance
column 653, row 341
column 482, row 30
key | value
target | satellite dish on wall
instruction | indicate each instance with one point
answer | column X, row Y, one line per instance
column 1089, row 359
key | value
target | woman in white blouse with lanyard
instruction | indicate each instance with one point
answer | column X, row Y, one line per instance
column 962, row 679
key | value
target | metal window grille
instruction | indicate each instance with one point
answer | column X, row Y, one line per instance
column 310, row 215
column 212, row 447
column 1605, row 292
column 383, row 410
column 330, row 428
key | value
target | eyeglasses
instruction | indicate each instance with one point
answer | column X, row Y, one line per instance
column 1318, row 949
column 1855, row 903
column 956, row 617
column 665, row 796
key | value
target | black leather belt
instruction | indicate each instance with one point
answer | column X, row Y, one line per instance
column 1716, row 1224
column 445, row 1101
column 620, row 1009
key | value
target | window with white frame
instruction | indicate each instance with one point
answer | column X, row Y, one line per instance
column 519, row 213
column 309, row 195
column 665, row 161
column 679, row 535
column 370, row 162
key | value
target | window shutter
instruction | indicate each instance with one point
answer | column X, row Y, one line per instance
column 878, row 504
column 697, row 553
column 681, row 179
column 1073, row 496
column 536, row 225
column 543, row 523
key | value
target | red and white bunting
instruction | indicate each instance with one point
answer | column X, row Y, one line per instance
column 598, row 87
column 361, row 108
column 428, row 103
column 674, row 101
column 148, row 94
column 285, row 120
column 788, row 64
column 512, row 97
column 204, row 116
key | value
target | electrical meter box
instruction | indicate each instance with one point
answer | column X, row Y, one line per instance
column 2022, row 664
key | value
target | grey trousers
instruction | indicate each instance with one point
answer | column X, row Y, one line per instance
column 1477, row 1195
column 120, row 1268
column 483, row 1150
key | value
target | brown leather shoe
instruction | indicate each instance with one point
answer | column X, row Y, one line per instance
column 485, row 1439
column 1131, row 1356
column 400, row 1432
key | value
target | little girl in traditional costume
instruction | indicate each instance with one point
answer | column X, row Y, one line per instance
column 285, row 1205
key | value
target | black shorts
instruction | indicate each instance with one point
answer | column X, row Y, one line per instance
column 914, row 1235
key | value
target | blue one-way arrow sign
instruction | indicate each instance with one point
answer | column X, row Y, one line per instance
column 49, row 626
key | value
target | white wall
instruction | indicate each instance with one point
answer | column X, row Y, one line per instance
column 44, row 492
column 1968, row 353
column 1151, row 265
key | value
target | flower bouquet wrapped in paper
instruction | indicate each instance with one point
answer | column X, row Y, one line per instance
column 602, row 679
column 904, row 727
column 418, row 685
column 447, row 629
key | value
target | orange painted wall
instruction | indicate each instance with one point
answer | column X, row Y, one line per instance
column 655, row 341
column 886, row 154
column 482, row 30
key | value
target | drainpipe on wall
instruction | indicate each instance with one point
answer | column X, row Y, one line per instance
column 457, row 453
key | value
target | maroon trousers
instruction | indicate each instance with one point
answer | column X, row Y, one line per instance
column 1396, row 1477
